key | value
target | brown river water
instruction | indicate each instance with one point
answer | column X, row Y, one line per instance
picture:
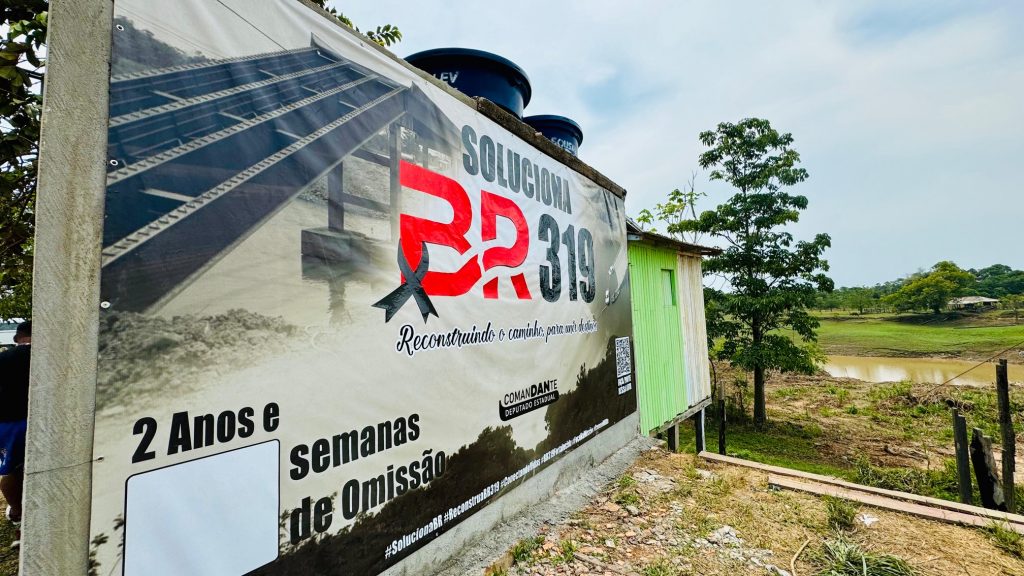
column 919, row 370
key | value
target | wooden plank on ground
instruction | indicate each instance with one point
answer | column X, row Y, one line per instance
column 905, row 496
column 928, row 512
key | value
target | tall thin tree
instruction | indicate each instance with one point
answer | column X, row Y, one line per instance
column 773, row 279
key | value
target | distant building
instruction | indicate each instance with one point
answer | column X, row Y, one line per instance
column 972, row 303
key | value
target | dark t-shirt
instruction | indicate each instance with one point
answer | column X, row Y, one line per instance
column 14, row 364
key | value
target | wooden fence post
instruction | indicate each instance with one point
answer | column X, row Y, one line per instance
column 720, row 403
column 720, row 392
column 721, row 426
column 963, row 463
column 672, row 435
column 985, row 471
column 698, row 428
column 1009, row 438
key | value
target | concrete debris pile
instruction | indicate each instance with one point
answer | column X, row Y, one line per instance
column 654, row 482
column 728, row 544
column 644, row 525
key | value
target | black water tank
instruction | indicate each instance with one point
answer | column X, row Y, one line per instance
column 478, row 73
column 559, row 129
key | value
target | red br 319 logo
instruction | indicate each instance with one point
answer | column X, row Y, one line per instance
column 417, row 234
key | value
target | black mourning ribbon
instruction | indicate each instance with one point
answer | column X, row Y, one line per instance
column 411, row 287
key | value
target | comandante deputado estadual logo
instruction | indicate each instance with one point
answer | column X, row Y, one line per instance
column 528, row 399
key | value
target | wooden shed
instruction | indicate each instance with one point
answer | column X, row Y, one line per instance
column 669, row 331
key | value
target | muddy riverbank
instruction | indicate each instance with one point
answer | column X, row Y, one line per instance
column 918, row 370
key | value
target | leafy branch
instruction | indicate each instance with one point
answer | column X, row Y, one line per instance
column 680, row 207
column 385, row 35
column 21, row 73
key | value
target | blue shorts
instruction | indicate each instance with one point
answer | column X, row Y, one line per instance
column 12, row 446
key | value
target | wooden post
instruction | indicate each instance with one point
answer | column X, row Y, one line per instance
column 963, row 463
column 985, row 471
column 672, row 435
column 720, row 390
column 698, row 428
column 1009, row 438
column 721, row 427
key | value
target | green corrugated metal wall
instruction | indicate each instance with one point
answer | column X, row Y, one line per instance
column 657, row 334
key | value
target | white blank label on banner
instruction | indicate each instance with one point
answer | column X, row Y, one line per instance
column 216, row 515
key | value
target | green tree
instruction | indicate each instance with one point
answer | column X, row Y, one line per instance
column 773, row 278
column 932, row 291
column 1014, row 302
column 681, row 205
column 21, row 76
column 999, row 280
column 858, row 298
column 829, row 301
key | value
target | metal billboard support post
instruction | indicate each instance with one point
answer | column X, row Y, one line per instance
column 69, row 226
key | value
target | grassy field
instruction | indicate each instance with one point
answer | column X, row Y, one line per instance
column 896, row 436
column 919, row 335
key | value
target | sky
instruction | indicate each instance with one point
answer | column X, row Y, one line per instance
column 909, row 116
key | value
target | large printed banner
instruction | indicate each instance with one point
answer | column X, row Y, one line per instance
column 341, row 310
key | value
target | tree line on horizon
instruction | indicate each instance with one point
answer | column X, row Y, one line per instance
column 930, row 289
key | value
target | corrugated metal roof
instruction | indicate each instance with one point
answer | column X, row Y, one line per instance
column 972, row 300
column 635, row 232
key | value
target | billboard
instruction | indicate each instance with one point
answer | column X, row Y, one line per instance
column 341, row 310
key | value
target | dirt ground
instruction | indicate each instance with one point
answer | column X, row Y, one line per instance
column 677, row 514
column 891, row 424
column 8, row 556
column 673, row 514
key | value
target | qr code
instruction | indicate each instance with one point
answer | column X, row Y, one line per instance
column 623, row 363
